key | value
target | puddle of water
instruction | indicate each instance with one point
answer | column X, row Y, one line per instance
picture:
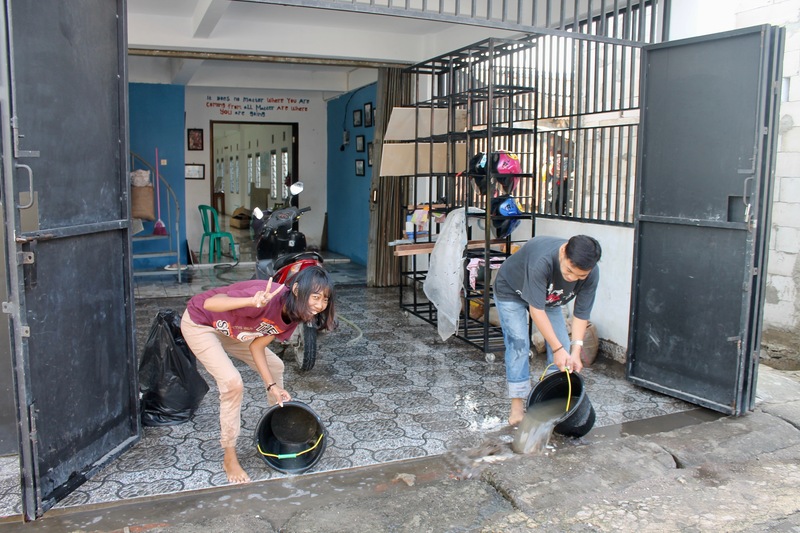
column 657, row 424
column 536, row 427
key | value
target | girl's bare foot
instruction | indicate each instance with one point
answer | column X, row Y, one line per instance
column 517, row 411
column 233, row 469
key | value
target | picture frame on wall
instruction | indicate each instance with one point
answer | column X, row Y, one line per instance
column 359, row 167
column 195, row 171
column 356, row 118
column 194, row 139
column 369, row 154
column 359, row 143
column 368, row 115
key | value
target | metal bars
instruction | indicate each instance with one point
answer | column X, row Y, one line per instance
column 566, row 106
column 586, row 128
column 616, row 19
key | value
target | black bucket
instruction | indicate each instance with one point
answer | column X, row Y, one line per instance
column 579, row 420
column 291, row 439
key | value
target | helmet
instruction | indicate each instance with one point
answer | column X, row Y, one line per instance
column 501, row 208
column 505, row 163
column 503, row 166
column 509, row 183
column 477, row 171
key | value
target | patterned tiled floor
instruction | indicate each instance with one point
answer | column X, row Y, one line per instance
column 385, row 386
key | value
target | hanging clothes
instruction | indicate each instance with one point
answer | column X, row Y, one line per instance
column 475, row 265
column 443, row 284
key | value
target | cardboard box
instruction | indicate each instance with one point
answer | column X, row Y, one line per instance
column 240, row 218
column 403, row 126
column 397, row 159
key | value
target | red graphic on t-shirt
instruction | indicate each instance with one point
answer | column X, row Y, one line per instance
column 553, row 297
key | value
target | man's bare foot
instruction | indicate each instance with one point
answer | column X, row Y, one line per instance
column 517, row 411
column 230, row 463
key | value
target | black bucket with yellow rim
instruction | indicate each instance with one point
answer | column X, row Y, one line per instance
column 291, row 439
column 579, row 416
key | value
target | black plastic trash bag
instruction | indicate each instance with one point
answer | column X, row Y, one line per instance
column 170, row 386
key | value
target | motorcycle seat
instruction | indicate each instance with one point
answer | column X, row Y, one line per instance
column 291, row 258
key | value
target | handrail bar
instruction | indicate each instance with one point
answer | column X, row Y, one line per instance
column 138, row 158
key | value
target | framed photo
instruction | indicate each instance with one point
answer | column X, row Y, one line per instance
column 356, row 118
column 359, row 167
column 368, row 114
column 195, row 171
column 369, row 154
column 359, row 143
column 194, row 138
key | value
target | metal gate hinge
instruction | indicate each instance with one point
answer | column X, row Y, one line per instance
column 17, row 136
column 737, row 340
column 10, row 308
column 25, row 258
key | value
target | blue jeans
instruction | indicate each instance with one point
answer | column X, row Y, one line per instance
column 514, row 321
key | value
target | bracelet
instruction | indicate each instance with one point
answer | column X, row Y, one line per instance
column 577, row 343
column 557, row 349
column 270, row 386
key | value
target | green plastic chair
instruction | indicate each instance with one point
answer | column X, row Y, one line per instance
column 211, row 220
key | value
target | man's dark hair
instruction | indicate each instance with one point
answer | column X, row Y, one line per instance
column 583, row 251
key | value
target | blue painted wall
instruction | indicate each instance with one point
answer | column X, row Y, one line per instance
column 348, row 194
column 156, row 116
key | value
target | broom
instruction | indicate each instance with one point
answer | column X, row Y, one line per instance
column 159, row 228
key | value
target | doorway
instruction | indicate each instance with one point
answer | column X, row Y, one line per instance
column 253, row 164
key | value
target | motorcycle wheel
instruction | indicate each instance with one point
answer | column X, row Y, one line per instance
column 305, row 347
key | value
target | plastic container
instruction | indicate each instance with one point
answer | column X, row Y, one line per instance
column 579, row 420
column 291, row 439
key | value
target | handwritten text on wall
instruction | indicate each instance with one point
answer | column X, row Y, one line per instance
column 248, row 106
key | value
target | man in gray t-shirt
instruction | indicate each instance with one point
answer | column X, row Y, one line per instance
column 542, row 276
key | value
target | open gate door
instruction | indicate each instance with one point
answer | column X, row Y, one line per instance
column 64, row 135
column 702, row 217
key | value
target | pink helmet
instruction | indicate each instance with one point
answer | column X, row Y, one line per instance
column 506, row 163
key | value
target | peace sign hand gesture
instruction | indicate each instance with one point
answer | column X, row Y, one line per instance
column 262, row 298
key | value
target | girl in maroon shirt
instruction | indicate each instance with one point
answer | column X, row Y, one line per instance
column 241, row 320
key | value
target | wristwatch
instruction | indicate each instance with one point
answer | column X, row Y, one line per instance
column 578, row 343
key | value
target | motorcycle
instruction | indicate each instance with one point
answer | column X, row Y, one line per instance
column 280, row 254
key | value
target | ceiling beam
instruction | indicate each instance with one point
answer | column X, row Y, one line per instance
column 183, row 70
column 262, row 58
column 206, row 16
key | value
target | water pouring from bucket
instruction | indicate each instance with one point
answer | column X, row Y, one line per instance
column 558, row 403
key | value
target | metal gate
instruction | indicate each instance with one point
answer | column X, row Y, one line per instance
column 64, row 134
column 702, row 216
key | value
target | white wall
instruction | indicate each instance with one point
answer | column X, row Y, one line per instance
column 612, row 305
column 690, row 18
column 307, row 108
